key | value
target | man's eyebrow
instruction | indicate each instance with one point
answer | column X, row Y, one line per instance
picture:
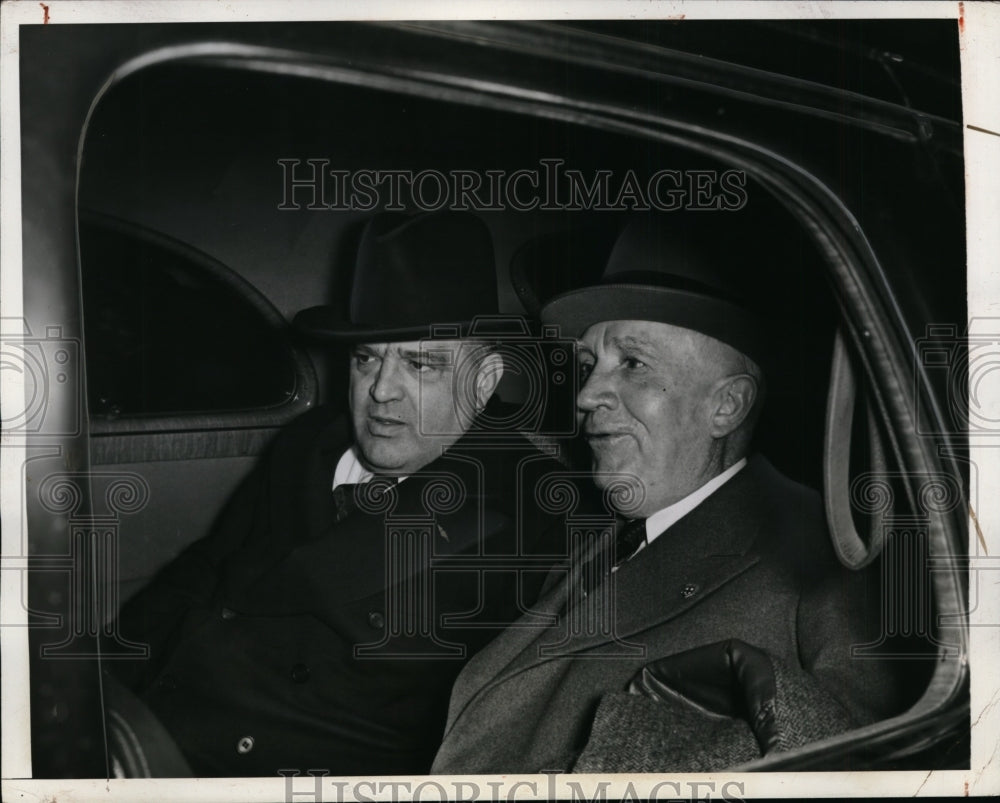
column 430, row 357
column 634, row 343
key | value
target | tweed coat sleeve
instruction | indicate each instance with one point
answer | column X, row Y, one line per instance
column 821, row 694
column 753, row 562
column 701, row 723
column 822, row 689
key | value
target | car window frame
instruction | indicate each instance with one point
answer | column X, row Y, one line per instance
column 304, row 394
column 870, row 317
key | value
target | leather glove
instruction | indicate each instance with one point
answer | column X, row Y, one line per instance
column 725, row 679
column 707, row 709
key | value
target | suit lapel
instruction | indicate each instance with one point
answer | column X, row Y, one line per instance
column 699, row 554
column 346, row 561
column 703, row 551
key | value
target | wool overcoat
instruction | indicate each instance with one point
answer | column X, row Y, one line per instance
column 753, row 562
column 287, row 639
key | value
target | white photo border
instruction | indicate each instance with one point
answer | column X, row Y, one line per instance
column 979, row 25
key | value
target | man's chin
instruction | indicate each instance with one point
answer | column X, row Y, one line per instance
column 608, row 471
column 624, row 491
column 377, row 456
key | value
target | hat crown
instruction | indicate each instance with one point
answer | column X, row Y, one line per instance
column 411, row 273
column 667, row 269
column 653, row 250
column 422, row 270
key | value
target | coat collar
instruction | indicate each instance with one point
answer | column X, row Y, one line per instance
column 703, row 551
column 326, row 563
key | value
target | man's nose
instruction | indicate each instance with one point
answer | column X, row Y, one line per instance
column 598, row 391
column 387, row 386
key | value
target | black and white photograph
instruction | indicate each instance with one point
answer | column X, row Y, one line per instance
column 550, row 401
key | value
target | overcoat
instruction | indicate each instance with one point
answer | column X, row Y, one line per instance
column 287, row 639
column 752, row 562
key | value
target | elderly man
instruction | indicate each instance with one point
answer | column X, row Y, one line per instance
column 717, row 626
column 320, row 626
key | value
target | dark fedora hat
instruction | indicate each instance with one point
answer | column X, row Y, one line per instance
column 413, row 273
column 675, row 269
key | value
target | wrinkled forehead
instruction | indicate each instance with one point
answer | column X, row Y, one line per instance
column 426, row 348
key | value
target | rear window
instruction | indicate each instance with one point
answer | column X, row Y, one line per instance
column 170, row 331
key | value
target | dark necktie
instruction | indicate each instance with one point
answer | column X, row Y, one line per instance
column 345, row 496
column 629, row 534
column 344, row 501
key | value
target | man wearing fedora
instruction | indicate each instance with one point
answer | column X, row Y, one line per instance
column 723, row 620
column 321, row 624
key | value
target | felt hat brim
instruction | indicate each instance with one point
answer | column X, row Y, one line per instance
column 324, row 324
column 577, row 310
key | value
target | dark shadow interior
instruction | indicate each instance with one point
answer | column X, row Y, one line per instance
column 196, row 154
column 211, row 177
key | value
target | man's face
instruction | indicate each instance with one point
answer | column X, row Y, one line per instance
column 405, row 405
column 646, row 406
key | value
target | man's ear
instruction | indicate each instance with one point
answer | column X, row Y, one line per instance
column 488, row 375
column 734, row 398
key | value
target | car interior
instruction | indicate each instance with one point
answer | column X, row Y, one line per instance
column 196, row 252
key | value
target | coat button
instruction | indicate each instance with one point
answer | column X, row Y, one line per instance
column 300, row 673
column 226, row 613
column 376, row 620
column 689, row 590
column 244, row 745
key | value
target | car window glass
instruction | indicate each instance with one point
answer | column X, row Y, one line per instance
column 166, row 334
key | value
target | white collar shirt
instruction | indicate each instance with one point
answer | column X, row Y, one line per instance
column 660, row 521
column 351, row 471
